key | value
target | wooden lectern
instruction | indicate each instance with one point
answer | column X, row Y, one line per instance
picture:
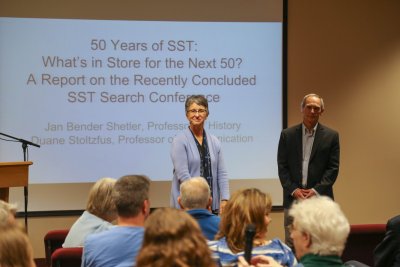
column 13, row 174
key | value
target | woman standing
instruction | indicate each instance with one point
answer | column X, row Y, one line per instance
column 195, row 152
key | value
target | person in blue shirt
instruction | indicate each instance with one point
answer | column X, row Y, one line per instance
column 196, row 199
column 119, row 246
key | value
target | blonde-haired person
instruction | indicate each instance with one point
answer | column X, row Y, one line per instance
column 99, row 214
column 319, row 232
column 15, row 248
column 7, row 213
column 247, row 206
column 173, row 238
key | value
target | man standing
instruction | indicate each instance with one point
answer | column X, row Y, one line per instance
column 120, row 245
column 196, row 199
column 308, row 158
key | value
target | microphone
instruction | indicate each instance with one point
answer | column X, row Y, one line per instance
column 249, row 236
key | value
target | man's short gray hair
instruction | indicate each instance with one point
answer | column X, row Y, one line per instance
column 195, row 193
column 303, row 102
column 129, row 194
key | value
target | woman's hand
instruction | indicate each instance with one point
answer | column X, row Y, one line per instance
column 258, row 261
column 222, row 206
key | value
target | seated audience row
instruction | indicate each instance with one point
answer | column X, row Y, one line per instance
column 194, row 236
column 170, row 237
column 120, row 244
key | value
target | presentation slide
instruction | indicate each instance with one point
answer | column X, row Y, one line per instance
column 106, row 97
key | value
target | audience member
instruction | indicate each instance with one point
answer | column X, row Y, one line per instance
column 196, row 199
column 319, row 233
column 15, row 248
column 119, row 245
column 98, row 216
column 387, row 253
column 7, row 213
column 248, row 206
column 173, row 238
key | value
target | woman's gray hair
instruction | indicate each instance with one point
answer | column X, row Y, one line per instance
column 197, row 99
column 324, row 221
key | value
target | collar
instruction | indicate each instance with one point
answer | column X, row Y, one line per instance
column 199, row 211
column 318, row 260
column 305, row 131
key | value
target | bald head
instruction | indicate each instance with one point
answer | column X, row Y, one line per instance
column 195, row 194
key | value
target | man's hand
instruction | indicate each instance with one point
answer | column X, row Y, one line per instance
column 299, row 194
column 308, row 193
column 303, row 193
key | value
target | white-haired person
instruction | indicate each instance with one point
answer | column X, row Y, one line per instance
column 99, row 214
column 319, row 232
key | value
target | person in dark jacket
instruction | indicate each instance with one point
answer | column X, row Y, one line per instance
column 387, row 253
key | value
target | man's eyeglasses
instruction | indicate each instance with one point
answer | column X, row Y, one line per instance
column 194, row 111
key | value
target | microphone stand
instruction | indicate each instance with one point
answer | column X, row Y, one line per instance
column 25, row 144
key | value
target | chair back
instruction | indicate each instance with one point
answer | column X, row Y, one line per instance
column 362, row 240
column 52, row 241
column 67, row 257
